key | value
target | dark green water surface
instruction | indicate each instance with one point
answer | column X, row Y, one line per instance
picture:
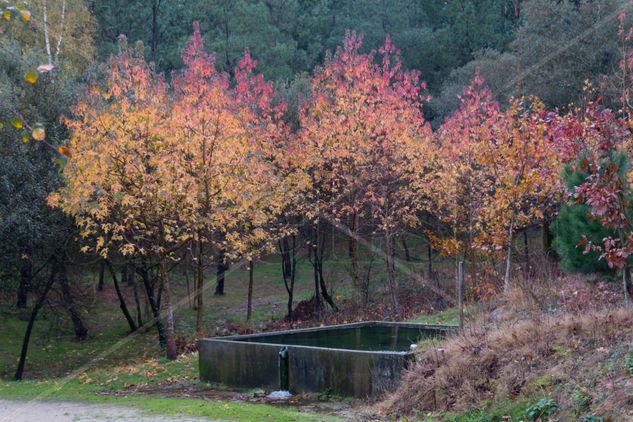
column 371, row 337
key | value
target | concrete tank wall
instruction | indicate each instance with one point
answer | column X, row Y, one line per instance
column 239, row 361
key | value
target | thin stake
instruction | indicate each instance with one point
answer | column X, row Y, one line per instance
column 460, row 294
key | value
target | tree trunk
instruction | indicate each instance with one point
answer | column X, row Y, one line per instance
column 155, row 307
column 506, row 278
column 172, row 353
column 154, row 39
column 124, row 275
column 26, row 274
column 122, row 304
column 101, row 275
column 626, row 279
column 317, row 296
column 353, row 254
column 288, row 270
column 430, row 255
column 460, row 294
column 249, row 305
column 546, row 240
column 199, row 289
column 81, row 332
column 29, row 327
column 393, row 284
column 316, row 253
column 139, row 314
column 186, row 269
column 407, row 254
column 324, row 292
column 526, row 253
column 222, row 267
column 318, row 246
column 129, row 273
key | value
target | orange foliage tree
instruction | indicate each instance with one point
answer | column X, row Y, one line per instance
column 360, row 130
column 228, row 140
column 121, row 183
column 495, row 173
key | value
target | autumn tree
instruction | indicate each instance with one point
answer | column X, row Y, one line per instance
column 360, row 130
column 527, row 168
column 458, row 187
column 598, row 143
column 122, row 185
column 496, row 173
column 228, row 139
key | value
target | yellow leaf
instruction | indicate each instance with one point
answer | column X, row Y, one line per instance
column 17, row 123
column 31, row 76
column 7, row 14
column 25, row 138
column 26, row 15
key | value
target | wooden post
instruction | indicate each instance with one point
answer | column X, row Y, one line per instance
column 460, row 294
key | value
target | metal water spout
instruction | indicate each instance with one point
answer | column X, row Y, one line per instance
column 284, row 384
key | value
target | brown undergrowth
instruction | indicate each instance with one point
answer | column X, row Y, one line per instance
column 577, row 357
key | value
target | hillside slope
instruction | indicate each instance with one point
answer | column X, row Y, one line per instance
column 572, row 366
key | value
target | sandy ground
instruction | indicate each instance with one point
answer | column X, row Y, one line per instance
column 44, row 411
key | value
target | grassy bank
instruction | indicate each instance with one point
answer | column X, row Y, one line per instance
column 569, row 366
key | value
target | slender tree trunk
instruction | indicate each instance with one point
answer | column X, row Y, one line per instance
column 139, row 314
column 101, row 275
column 172, row 353
column 353, row 254
column 430, row 255
column 222, row 267
column 288, row 270
column 391, row 273
column 199, row 288
column 324, row 291
column 526, row 253
column 626, row 277
column 316, row 253
column 249, row 305
column 186, row 268
column 154, row 306
column 506, row 278
column 122, row 304
column 317, row 295
column 154, row 40
column 129, row 273
column 460, row 294
column 546, row 239
column 124, row 276
column 81, row 332
column 26, row 274
column 29, row 327
column 407, row 254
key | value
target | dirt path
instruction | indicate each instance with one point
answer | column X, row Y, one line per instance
column 16, row 411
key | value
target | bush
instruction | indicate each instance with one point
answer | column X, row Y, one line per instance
column 542, row 409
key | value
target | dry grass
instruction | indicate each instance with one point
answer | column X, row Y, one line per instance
column 521, row 350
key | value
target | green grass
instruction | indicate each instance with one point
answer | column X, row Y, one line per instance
column 238, row 411
column 495, row 411
column 109, row 386
column 449, row 316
